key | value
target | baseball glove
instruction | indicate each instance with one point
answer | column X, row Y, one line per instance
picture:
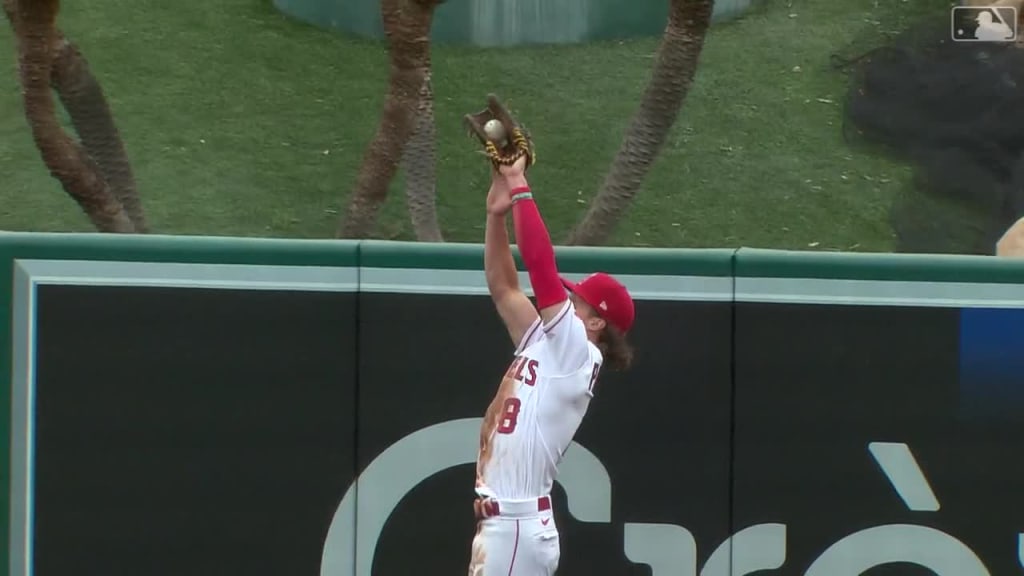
column 506, row 145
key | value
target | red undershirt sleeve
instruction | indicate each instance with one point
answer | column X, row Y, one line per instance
column 536, row 250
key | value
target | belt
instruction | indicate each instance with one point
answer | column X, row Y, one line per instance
column 490, row 507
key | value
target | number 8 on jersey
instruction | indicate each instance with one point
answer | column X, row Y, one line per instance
column 509, row 415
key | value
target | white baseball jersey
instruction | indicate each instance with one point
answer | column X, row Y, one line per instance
column 540, row 403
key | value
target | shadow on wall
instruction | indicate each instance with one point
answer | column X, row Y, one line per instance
column 511, row 22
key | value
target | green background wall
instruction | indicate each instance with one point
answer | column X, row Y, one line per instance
column 508, row 22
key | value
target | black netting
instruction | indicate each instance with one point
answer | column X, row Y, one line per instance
column 955, row 112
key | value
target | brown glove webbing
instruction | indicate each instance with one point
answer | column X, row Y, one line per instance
column 518, row 145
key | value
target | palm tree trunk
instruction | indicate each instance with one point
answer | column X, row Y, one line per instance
column 83, row 98
column 420, row 165
column 674, row 70
column 34, row 23
column 407, row 25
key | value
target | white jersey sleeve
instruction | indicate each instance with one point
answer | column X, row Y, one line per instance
column 533, row 335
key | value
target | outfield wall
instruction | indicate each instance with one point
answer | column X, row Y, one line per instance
column 184, row 405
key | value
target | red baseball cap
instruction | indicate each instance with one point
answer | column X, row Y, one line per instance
column 608, row 297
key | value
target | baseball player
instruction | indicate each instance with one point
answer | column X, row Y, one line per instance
column 561, row 346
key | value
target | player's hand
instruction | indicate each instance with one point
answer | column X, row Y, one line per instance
column 499, row 197
column 515, row 170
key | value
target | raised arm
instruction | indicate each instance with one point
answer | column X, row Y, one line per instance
column 535, row 246
column 514, row 307
column 567, row 337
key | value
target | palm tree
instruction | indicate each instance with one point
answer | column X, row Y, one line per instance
column 47, row 59
column 83, row 98
column 420, row 164
column 674, row 68
column 407, row 26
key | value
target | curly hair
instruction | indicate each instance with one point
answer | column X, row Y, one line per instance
column 616, row 349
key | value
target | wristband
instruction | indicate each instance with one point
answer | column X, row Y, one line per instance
column 521, row 193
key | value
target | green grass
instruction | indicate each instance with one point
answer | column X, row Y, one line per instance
column 240, row 121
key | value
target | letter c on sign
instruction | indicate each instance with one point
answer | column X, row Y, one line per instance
column 933, row 549
column 349, row 547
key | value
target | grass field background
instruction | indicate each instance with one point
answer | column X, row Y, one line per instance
column 240, row 121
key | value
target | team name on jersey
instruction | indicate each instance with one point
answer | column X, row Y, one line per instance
column 523, row 369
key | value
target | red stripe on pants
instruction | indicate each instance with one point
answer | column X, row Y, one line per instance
column 515, row 548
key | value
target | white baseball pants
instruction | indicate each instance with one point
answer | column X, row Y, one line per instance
column 515, row 538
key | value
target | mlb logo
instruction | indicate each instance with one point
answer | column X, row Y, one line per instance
column 984, row 23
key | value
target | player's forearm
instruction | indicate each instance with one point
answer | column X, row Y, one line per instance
column 499, row 266
column 535, row 246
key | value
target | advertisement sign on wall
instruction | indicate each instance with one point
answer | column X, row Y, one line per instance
column 206, row 417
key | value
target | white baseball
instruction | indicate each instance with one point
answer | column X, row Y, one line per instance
column 495, row 131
